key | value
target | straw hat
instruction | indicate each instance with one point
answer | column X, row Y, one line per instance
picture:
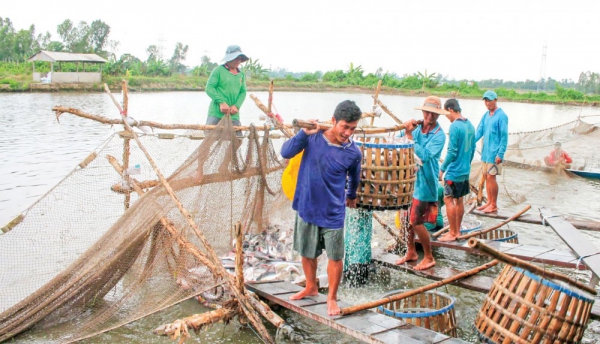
column 433, row 104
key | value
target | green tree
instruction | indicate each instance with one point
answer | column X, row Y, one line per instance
column 153, row 53
column 427, row 80
column 98, row 36
column 179, row 55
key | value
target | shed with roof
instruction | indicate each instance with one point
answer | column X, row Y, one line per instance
column 79, row 76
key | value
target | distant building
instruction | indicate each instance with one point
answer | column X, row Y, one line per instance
column 67, row 77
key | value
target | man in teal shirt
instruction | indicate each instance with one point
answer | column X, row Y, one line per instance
column 493, row 128
column 226, row 87
column 429, row 139
column 457, row 167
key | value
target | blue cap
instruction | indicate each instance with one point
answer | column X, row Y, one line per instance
column 490, row 95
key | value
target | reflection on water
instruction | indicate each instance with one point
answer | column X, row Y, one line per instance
column 37, row 152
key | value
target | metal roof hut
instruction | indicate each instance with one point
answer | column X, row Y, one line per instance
column 66, row 77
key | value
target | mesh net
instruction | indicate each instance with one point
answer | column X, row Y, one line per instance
column 528, row 149
column 82, row 262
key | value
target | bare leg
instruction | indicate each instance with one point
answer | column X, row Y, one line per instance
column 411, row 251
column 492, row 188
column 309, row 265
column 428, row 260
column 460, row 212
column 334, row 274
column 487, row 192
column 451, row 211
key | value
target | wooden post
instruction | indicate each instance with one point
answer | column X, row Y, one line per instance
column 270, row 101
column 242, row 298
column 477, row 244
column 380, row 302
column 126, row 144
column 375, row 99
column 267, row 111
column 239, row 256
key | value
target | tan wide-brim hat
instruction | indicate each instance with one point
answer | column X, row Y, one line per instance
column 433, row 104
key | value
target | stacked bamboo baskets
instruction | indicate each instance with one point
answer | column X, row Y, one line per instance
column 432, row 310
column 387, row 174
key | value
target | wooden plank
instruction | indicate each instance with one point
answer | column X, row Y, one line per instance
column 368, row 326
column 503, row 214
column 575, row 240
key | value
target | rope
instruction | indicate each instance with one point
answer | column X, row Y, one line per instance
column 548, row 217
column 583, row 257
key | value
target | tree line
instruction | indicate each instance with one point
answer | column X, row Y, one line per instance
column 18, row 45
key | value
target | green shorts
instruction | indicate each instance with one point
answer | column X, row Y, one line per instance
column 310, row 240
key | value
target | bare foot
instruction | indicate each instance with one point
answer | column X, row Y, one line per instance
column 424, row 264
column 409, row 257
column 333, row 308
column 305, row 293
column 481, row 207
column 490, row 209
column 447, row 237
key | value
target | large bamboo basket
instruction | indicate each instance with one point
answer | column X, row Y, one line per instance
column 502, row 235
column 432, row 310
column 523, row 307
column 388, row 174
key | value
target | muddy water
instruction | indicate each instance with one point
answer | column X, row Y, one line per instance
column 36, row 152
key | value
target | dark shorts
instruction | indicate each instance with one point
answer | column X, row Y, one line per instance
column 210, row 120
column 422, row 212
column 456, row 189
column 310, row 240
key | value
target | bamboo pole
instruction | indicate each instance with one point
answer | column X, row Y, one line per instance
column 179, row 328
column 388, row 111
column 375, row 99
column 212, row 255
column 322, row 126
column 59, row 110
column 282, row 127
column 396, row 236
column 239, row 257
column 126, row 143
column 477, row 244
column 380, row 302
column 483, row 231
column 270, row 101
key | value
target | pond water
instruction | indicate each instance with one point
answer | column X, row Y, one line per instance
column 36, row 152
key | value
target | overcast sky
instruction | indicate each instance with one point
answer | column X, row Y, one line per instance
column 467, row 39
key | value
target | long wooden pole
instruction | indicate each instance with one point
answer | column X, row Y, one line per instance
column 380, row 302
column 388, row 111
column 385, row 226
column 242, row 298
column 283, row 128
column 477, row 244
column 483, row 231
column 59, row 110
column 375, row 98
column 126, row 143
column 323, row 126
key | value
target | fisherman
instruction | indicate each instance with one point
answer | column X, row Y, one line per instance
column 493, row 128
column 429, row 139
column 226, row 86
column 330, row 158
column 456, row 167
column 558, row 157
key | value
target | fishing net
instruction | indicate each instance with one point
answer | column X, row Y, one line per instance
column 86, row 259
column 528, row 149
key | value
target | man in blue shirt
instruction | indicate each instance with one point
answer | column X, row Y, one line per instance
column 330, row 158
column 429, row 139
column 493, row 128
column 457, row 167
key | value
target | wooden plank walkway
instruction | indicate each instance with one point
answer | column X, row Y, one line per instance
column 530, row 253
column 367, row 326
column 575, row 240
column 476, row 283
column 502, row 214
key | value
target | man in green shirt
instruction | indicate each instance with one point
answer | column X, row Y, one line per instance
column 226, row 87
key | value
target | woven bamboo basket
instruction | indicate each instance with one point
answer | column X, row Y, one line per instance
column 502, row 235
column 523, row 307
column 387, row 174
column 432, row 310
